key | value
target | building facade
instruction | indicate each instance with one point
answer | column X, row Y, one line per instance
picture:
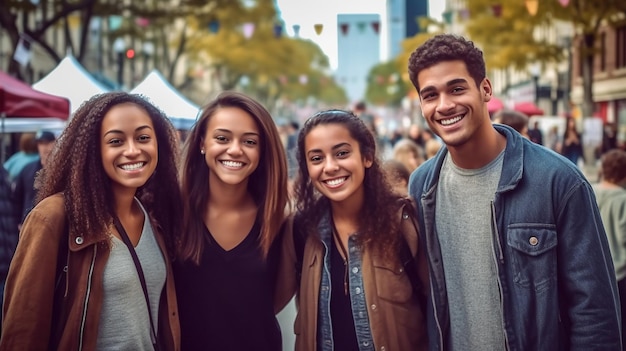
column 358, row 51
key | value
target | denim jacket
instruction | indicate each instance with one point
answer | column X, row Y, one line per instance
column 387, row 313
column 555, row 273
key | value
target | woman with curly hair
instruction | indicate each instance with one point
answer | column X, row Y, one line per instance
column 234, row 186
column 107, row 211
column 362, row 283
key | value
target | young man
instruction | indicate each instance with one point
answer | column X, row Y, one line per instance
column 517, row 252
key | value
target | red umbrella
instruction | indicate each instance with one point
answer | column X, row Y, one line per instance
column 494, row 105
column 528, row 108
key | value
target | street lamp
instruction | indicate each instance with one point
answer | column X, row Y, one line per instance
column 119, row 46
column 148, row 51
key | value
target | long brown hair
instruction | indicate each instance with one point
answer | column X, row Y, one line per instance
column 267, row 184
column 75, row 168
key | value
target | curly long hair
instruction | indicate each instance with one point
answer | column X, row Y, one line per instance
column 75, row 169
column 447, row 47
column 267, row 184
column 379, row 225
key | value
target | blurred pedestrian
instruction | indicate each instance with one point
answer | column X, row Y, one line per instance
column 234, row 185
column 572, row 145
column 611, row 198
column 360, row 110
column 362, row 276
column 409, row 154
column 432, row 148
column 535, row 134
column 554, row 140
column 108, row 207
column 26, row 154
column 24, row 186
column 519, row 259
column 513, row 119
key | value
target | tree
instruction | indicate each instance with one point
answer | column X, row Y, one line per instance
column 265, row 65
column 385, row 85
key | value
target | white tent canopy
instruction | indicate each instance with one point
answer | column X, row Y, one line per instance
column 160, row 92
column 71, row 80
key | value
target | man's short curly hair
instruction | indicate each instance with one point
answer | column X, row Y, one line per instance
column 447, row 47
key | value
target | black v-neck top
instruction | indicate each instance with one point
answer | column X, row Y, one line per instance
column 226, row 302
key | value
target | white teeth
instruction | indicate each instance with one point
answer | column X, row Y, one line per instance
column 447, row 122
column 334, row 182
column 133, row 166
column 232, row 164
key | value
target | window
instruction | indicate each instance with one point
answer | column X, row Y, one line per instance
column 620, row 47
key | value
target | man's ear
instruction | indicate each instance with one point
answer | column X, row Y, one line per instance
column 486, row 89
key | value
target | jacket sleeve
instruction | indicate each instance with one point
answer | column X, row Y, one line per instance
column 589, row 303
column 286, row 276
column 29, row 291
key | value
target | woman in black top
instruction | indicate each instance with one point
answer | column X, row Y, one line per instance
column 234, row 186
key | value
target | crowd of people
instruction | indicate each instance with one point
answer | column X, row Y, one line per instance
column 471, row 235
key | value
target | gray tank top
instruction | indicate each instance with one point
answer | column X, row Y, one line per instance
column 124, row 321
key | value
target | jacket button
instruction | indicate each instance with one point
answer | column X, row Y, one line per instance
column 382, row 348
column 533, row 241
column 373, row 306
column 79, row 240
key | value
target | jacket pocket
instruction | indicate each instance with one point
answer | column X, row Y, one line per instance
column 392, row 283
column 533, row 254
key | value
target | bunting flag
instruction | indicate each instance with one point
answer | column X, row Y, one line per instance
column 344, row 28
column 115, row 22
column 248, row 30
column 447, row 17
column 532, row 6
column 564, row 3
column 23, row 52
column 303, row 79
column 296, row 30
column 361, row 26
column 376, row 26
column 214, row 26
column 318, row 28
column 496, row 9
column 465, row 14
column 278, row 30
column 142, row 22
column 283, row 79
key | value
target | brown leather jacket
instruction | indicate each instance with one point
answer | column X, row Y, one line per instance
column 28, row 299
column 396, row 318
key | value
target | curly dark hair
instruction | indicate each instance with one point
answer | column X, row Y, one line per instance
column 75, row 169
column 614, row 166
column 447, row 47
column 378, row 226
column 267, row 184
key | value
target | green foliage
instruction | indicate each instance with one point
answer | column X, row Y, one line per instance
column 385, row 85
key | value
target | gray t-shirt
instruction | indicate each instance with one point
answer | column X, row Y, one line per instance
column 463, row 224
column 124, row 321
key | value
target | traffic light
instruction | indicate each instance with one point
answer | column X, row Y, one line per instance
column 130, row 53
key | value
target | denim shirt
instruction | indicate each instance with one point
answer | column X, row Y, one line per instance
column 554, row 267
column 357, row 293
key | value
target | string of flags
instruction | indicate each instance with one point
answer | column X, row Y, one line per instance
column 248, row 28
column 532, row 6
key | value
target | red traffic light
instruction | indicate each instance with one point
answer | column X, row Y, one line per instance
column 130, row 53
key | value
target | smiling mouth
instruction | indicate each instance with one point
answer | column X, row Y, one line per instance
column 451, row 121
column 232, row 164
column 133, row 166
column 335, row 182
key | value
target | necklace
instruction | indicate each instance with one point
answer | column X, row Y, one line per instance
column 345, row 258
